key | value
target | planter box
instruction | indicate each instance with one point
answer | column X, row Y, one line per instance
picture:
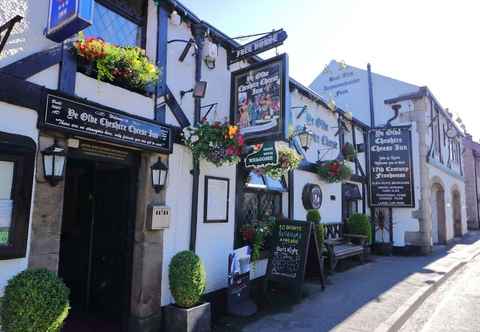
column 196, row 319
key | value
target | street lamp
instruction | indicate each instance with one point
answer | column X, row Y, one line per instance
column 53, row 163
column 159, row 173
column 305, row 137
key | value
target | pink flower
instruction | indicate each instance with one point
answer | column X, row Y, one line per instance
column 230, row 151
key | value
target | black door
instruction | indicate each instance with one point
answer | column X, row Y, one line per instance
column 95, row 245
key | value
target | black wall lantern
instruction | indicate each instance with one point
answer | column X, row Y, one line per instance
column 54, row 163
column 159, row 173
column 305, row 137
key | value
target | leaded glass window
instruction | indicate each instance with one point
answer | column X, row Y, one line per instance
column 113, row 27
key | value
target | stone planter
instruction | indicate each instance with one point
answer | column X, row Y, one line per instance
column 196, row 319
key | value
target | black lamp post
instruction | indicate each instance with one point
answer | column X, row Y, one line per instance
column 159, row 173
column 305, row 137
column 54, row 163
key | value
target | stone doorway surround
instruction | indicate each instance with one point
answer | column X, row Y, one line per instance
column 46, row 225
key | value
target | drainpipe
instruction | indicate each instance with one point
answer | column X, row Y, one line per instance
column 475, row 160
column 198, row 31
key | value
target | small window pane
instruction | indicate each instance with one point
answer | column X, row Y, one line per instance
column 255, row 181
column 6, row 204
column 275, row 184
column 113, row 27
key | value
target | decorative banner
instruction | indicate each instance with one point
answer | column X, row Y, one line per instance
column 259, row 98
column 391, row 168
column 263, row 155
column 67, row 17
column 84, row 119
column 265, row 43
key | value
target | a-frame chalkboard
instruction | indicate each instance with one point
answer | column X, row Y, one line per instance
column 288, row 258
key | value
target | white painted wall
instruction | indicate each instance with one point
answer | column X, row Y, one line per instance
column 21, row 121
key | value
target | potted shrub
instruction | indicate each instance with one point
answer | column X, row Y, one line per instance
column 334, row 171
column 34, row 301
column 187, row 283
column 314, row 217
column 359, row 224
column 349, row 152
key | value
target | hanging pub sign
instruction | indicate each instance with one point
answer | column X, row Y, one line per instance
column 67, row 17
column 265, row 43
column 259, row 98
column 264, row 154
column 391, row 168
column 85, row 119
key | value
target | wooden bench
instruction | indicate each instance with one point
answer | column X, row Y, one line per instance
column 341, row 245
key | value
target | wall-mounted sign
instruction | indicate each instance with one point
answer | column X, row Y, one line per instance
column 391, row 168
column 312, row 196
column 273, row 39
column 67, row 17
column 263, row 155
column 259, row 97
column 82, row 118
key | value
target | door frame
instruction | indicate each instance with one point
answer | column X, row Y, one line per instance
column 132, row 162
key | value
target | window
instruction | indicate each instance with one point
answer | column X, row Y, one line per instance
column 17, row 155
column 122, row 26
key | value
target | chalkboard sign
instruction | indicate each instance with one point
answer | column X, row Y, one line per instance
column 391, row 167
column 287, row 262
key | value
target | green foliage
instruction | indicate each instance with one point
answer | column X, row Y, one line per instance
column 359, row 224
column 313, row 215
column 187, row 279
column 124, row 66
column 288, row 160
column 34, row 301
column 349, row 152
column 334, row 171
column 218, row 143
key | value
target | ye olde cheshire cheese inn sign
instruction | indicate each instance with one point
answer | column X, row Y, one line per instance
column 391, row 176
column 83, row 119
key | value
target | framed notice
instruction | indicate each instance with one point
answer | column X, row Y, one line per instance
column 259, row 98
column 217, row 194
column 391, row 167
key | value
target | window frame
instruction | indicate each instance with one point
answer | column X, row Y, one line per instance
column 129, row 14
column 21, row 150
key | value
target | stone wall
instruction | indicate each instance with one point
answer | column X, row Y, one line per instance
column 470, row 162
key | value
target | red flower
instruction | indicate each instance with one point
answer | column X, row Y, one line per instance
column 230, row 151
column 240, row 139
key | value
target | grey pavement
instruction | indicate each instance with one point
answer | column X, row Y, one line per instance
column 454, row 306
column 366, row 297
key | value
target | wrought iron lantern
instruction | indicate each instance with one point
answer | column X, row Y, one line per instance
column 159, row 172
column 54, row 163
column 305, row 137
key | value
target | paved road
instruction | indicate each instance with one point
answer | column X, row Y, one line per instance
column 454, row 307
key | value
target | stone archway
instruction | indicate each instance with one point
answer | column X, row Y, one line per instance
column 439, row 222
column 457, row 213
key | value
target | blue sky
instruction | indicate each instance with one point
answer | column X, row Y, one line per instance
column 428, row 42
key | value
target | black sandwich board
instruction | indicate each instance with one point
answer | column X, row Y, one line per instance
column 290, row 251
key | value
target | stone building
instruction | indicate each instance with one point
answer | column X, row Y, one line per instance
column 471, row 159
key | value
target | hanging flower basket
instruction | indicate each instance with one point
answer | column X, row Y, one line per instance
column 288, row 160
column 349, row 152
column 334, row 171
column 127, row 67
column 256, row 235
column 217, row 143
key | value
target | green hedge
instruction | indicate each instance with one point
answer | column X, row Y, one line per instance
column 359, row 224
column 187, row 279
column 34, row 301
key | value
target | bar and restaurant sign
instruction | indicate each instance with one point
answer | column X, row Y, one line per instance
column 259, row 99
column 82, row 118
column 391, row 168
column 264, row 154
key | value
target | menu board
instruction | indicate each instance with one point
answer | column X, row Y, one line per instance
column 288, row 257
column 391, row 168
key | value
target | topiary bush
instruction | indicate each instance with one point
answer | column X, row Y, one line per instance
column 187, row 279
column 359, row 224
column 314, row 216
column 34, row 301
